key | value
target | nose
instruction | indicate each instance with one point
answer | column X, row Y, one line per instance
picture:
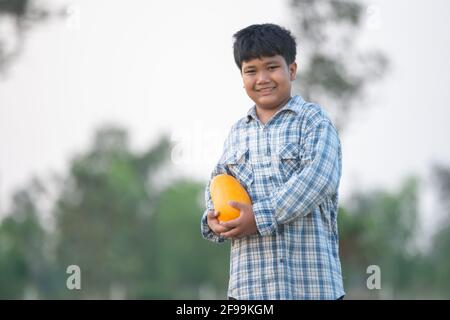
column 263, row 77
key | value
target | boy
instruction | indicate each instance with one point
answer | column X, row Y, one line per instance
column 287, row 155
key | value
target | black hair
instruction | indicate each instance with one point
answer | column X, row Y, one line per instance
column 263, row 40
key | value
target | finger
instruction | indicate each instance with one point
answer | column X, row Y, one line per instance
column 237, row 205
column 230, row 224
column 220, row 229
column 233, row 233
column 215, row 225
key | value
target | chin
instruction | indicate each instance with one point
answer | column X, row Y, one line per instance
column 268, row 103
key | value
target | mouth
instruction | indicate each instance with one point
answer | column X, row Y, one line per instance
column 266, row 90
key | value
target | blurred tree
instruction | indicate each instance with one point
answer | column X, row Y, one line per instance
column 188, row 266
column 25, row 264
column 332, row 70
column 441, row 177
column 379, row 228
column 17, row 17
column 439, row 262
column 130, row 238
column 104, row 214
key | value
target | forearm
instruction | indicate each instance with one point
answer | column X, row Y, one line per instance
column 295, row 199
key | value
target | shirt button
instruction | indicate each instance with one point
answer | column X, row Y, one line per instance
column 281, row 260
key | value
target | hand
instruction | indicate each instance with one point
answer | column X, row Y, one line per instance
column 214, row 223
column 242, row 226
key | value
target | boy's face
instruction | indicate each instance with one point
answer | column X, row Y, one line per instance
column 268, row 81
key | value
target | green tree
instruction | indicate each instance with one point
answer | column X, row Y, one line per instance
column 132, row 234
column 188, row 266
column 131, row 237
column 104, row 214
column 379, row 228
column 439, row 260
column 25, row 263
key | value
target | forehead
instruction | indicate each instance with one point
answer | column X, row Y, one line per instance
column 263, row 61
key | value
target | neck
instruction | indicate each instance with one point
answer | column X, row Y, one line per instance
column 264, row 115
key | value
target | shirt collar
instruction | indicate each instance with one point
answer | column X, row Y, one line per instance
column 294, row 104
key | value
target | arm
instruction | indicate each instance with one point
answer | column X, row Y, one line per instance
column 305, row 189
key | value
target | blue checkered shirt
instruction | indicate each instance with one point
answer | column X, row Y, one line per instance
column 291, row 168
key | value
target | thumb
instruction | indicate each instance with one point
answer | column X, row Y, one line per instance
column 213, row 214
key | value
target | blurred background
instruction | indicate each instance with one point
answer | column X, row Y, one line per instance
column 113, row 114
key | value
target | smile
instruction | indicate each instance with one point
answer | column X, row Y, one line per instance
column 266, row 90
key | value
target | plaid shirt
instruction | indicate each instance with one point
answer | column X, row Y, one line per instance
column 291, row 168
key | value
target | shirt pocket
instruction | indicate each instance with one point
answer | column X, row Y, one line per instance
column 289, row 160
column 238, row 164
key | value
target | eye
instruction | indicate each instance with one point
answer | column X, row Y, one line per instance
column 273, row 67
column 250, row 72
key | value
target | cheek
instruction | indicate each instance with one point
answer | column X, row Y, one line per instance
column 248, row 85
column 284, row 81
column 250, row 92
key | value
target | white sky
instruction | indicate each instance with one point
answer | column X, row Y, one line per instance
column 167, row 66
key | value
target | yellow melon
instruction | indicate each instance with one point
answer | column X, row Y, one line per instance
column 225, row 188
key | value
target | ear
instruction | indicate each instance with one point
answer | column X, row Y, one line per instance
column 293, row 71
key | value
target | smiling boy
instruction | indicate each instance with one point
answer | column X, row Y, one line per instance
column 287, row 154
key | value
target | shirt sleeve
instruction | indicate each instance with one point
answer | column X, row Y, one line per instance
column 220, row 168
column 317, row 179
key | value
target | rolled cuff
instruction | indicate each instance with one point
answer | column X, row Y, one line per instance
column 207, row 233
column 265, row 217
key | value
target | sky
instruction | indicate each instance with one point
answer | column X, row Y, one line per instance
column 158, row 67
